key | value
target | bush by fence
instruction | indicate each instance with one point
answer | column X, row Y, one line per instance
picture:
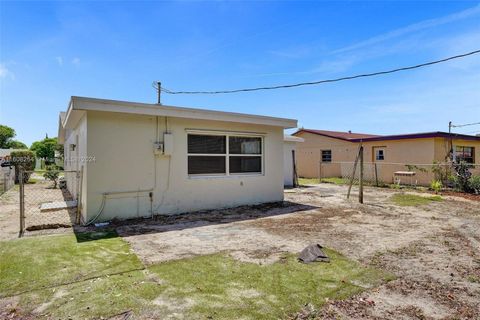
column 445, row 175
column 24, row 159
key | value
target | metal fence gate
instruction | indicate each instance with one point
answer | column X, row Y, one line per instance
column 47, row 204
column 7, row 179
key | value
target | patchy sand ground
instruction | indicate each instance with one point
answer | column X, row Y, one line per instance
column 59, row 221
column 433, row 249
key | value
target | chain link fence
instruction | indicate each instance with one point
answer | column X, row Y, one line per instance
column 384, row 173
column 7, row 179
column 46, row 202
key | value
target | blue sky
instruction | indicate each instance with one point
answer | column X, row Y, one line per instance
column 50, row 51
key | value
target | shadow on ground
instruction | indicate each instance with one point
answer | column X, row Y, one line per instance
column 164, row 223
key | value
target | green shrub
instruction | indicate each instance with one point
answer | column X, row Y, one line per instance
column 442, row 173
column 52, row 174
column 474, row 183
column 462, row 176
column 24, row 159
column 436, row 186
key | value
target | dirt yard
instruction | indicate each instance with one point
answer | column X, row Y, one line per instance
column 433, row 249
column 36, row 194
column 431, row 246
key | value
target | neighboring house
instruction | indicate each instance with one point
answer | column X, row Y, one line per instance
column 5, row 154
column 322, row 153
column 289, row 158
column 142, row 159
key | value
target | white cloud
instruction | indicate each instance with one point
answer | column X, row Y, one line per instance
column 59, row 61
column 5, row 73
column 422, row 25
column 76, row 61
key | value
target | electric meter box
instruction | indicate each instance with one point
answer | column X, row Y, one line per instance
column 158, row 148
column 167, row 144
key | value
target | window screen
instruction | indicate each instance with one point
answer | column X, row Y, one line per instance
column 326, row 155
column 245, row 145
column 206, row 165
column 206, row 144
column 245, row 164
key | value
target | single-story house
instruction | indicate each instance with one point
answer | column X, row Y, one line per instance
column 140, row 159
column 289, row 159
column 329, row 153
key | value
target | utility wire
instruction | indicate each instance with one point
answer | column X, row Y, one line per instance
column 325, row 81
column 465, row 125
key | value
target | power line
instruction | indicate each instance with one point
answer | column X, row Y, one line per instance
column 465, row 125
column 327, row 80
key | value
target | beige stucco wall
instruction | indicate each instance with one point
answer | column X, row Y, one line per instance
column 309, row 151
column 122, row 145
column 398, row 153
column 442, row 148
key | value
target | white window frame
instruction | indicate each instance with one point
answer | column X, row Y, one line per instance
column 227, row 154
column 464, row 146
column 321, row 155
column 377, row 151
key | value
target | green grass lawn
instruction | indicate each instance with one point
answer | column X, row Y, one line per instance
column 334, row 180
column 33, row 263
column 307, row 181
column 215, row 286
column 405, row 199
column 220, row 287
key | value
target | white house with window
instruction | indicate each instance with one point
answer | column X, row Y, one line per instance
column 140, row 160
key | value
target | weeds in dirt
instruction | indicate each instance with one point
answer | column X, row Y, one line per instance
column 224, row 288
column 308, row 181
column 405, row 199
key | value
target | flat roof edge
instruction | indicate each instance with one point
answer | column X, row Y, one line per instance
column 95, row 104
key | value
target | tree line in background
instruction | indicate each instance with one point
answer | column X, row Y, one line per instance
column 6, row 139
column 44, row 149
column 26, row 158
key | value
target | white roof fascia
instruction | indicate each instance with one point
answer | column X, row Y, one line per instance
column 289, row 138
column 93, row 104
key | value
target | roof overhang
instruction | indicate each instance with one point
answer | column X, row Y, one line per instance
column 78, row 105
column 424, row 135
column 289, row 138
column 334, row 134
column 61, row 129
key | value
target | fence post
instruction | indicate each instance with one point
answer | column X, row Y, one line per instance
column 79, row 194
column 353, row 174
column 376, row 174
column 360, row 193
column 295, row 175
column 320, row 171
column 22, row 202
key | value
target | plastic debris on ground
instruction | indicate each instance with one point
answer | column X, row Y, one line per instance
column 313, row 253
